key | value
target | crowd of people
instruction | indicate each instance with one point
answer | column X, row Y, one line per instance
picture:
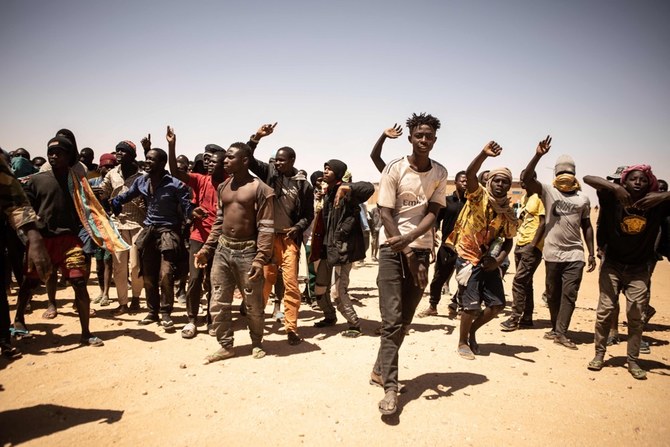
column 230, row 224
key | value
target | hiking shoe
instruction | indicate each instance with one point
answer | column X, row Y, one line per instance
column 509, row 325
column 150, row 318
column 134, row 304
column 644, row 347
column 429, row 311
column 326, row 322
column 293, row 338
column 551, row 335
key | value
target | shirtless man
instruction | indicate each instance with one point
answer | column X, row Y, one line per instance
column 244, row 232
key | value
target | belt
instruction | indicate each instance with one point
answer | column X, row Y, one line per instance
column 235, row 244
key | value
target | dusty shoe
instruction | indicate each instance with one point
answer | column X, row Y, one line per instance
column 613, row 340
column 644, row 347
column 326, row 322
column 105, row 301
column 429, row 311
column 564, row 341
column 509, row 325
column 122, row 309
column 134, row 304
column 293, row 338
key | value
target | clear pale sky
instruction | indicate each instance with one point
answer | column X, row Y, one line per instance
column 594, row 74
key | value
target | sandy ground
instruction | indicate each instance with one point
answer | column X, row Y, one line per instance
column 148, row 387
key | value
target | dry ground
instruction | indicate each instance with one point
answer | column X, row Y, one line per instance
column 147, row 387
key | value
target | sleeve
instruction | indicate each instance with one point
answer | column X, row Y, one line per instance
column 265, row 224
column 133, row 191
column 586, row 210
column 307, row 207
column 477, row 196
column 388, row 187
column 540, row 206
column 361, row 192
column 13, row 200
column 184, row 196
column 106, row 186
column 259, row 168
column 440, row 194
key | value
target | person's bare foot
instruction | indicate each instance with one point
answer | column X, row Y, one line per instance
column 50, row 313
column 389, row 404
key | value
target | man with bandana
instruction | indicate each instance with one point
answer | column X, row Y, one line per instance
column 485, row 220
column 632, row 213
column 567, row 212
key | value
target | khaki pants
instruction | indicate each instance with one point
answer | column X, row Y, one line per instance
column 120, row 270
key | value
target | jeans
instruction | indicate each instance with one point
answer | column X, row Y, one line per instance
column 633, row 280
column 120, row 267
column 230, row 269
column 562, row 286
column 526, row 263
column 445, row 264
column 196, row 276
column 398, row 299
column 335, row 279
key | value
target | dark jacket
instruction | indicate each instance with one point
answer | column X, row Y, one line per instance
column 303, row 213
column 343, row 239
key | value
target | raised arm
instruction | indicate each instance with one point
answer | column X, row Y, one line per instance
column 258, row 167
column 529, row 178
column 492, row 149
column 376, row 154
column 171, row 138
column 601, row 184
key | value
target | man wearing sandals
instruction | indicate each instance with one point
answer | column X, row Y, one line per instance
column 242, row 236
column 412, row 190
column 486, row 219
column 632, row 212
column 567, row 212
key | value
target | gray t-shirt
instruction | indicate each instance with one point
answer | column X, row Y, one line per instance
column 564, row 214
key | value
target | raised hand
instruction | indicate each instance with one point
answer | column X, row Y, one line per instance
column 170, row 136
column 393, row 132
column 341, row 194
column 651, row 200
column 146, row 143
column 544, row 146
column 265, row 130
column 492, row 149
column 622, row 195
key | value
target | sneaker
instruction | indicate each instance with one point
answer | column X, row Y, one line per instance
column 167, row 322
column 326, row 322
column 509, row 325
column 644, row 347
column 134, row 304
column 523, row 323
column 551, row 335
column 293, row 338
column 122, row 309
column 429, row 311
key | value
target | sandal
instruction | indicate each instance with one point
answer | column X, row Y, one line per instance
column 565, row 341
column 50, row 314
column 10, row 352
column 637, row 372
column 352, row 332
column 376, row 380
column 596, row 364
column 389, row 404
column 257, row 353
column 221, row 354
column 188, row 331
column 465, row 352
column 91, row 341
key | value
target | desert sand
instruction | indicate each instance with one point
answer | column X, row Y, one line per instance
column 149, row 387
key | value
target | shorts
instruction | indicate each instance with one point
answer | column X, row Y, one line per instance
column 66, row 254
column 482, row 287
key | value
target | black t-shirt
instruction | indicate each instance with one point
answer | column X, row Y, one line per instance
column 448, row 215
column 53, row 203
column 629, row 234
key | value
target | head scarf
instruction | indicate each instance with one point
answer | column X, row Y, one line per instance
column 22, row 167
column 646, row 170
column 127, row 146
column 338, row 167
column 316, row 175
column 564, row 175
column 500, row 204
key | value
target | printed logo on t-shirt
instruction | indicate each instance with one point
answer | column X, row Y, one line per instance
column 410, row 200
column 561, row 208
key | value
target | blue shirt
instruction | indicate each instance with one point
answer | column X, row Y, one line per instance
column 167, row 206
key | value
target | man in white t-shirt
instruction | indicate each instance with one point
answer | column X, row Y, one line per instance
column 412, row 190
column 567, row 217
